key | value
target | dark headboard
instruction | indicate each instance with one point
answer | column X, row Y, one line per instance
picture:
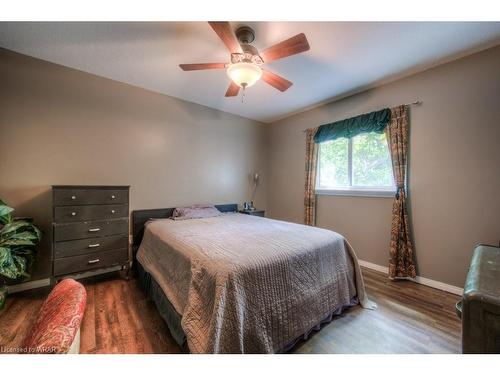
column 140, row 217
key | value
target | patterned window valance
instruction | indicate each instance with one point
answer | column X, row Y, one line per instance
column 348, row 128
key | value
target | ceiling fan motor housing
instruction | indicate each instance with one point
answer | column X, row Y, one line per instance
column 245, row 34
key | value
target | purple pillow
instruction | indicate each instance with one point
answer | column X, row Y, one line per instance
column 197, row 211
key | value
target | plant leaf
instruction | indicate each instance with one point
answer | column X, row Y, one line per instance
column 5, row 210
column 5, row 256
column 23, row 250
column 25, row 236
column 13, row 227
column 21, row 264
column 16, row 242
column 38, row 232
column 8, row 267
column 29, row 226
column 3, row 296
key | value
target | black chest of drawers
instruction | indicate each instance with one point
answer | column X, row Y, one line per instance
column 90, row 229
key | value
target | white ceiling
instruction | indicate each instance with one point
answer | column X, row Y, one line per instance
column 344, row 56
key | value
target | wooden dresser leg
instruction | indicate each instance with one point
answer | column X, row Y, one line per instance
column 53, row 282
column 125, row 272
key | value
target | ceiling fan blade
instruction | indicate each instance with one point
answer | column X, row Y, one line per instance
column 296, row 44
column 233, row 89
column 276, row 81
column 224, row 31
column 202, row 66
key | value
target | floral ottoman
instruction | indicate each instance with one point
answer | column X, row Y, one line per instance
column 57, row 326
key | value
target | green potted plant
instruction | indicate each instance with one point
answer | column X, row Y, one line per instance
column 18, row 240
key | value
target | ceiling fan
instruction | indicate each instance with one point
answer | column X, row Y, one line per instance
column 246, row 61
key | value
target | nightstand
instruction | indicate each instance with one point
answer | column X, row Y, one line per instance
column 255, row 212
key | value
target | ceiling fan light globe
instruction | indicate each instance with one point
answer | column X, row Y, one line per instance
column 244, row 74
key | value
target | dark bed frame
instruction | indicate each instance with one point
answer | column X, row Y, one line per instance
column 140, row 218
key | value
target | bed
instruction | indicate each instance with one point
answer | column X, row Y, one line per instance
column 238, row 283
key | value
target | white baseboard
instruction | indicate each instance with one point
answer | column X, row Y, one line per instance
column 373, row 266
column 16, row 288
column 27, row 285
column 419, row 279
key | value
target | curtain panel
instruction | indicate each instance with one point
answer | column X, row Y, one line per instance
column 351, row 127
column 394, row 122
column 310, row 184
column 401, row 263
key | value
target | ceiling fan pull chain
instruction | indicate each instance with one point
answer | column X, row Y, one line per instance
column 243, row 95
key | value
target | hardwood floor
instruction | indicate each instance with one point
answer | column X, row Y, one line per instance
column 118, row 319
column 411, row 318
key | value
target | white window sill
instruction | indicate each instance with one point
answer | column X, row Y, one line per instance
column 357, row 192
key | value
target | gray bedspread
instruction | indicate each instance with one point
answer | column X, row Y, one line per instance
column 245, row 284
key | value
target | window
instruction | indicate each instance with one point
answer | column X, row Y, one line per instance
column 356, row 166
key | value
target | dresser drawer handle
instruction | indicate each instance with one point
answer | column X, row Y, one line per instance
column 113, row 197
column 73, row 214
column 73, row 197
column 112, row 211
column 94, row 245
column 94, row 229
column 94, row 261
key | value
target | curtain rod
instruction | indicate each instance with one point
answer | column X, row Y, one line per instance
column 416, row 102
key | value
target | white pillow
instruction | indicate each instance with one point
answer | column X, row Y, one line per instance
column 195, row 212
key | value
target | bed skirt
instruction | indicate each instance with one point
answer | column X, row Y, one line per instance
column 163, row 305
column 317, row 327
column 173, row 319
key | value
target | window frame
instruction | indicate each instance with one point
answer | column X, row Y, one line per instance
column 357, row 191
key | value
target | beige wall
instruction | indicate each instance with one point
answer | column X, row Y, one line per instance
column 454, row 167
column 62, row 126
